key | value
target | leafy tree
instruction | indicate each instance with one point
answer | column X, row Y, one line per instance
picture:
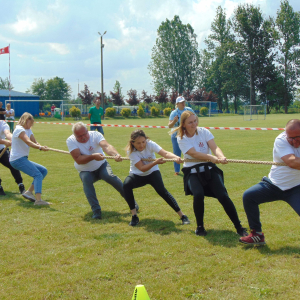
column 199, row 95
column 4, row 84
column 146, row 98
column 218, row 42
column 256, row 39
column 173, row 96
column 133, row 99
column 57, row 89
column 117, row 98
column 162, row 97
column 187, row 95
column 117, row 88
column 39, row 87
column 288, row 27
column 175, row 57
column 211, row 97
column 86, row 96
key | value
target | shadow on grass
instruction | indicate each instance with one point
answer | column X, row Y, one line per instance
column 225, row 238
column 286, row 250
column 161, row 227
column 107, row 217
column 24, row 202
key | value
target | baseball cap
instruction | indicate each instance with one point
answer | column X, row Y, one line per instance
column 180, row 99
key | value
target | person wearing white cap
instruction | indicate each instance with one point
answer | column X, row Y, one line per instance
column 174, row 121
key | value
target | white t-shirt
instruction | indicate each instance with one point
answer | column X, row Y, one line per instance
column 284, row 177
column 3, row 126
column 198, row 142
column 18, row 147
column 11, row 117
column 148, row 152
column 88, row 148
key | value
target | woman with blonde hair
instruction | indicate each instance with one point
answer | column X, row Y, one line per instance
column 142, row 172
column 22, row 140
column 204, row 179
column 10, row 115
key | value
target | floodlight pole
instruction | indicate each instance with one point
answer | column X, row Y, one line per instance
column 101, row 48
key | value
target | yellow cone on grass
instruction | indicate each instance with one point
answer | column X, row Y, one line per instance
column 140, row 293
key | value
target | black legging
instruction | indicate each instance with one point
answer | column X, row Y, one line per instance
column 4, row 160
column 217, row 187
column 133, row 181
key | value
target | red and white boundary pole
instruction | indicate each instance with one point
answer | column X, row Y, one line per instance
column 149, row 126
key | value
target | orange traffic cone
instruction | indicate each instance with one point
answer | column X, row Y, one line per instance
column 140, row 293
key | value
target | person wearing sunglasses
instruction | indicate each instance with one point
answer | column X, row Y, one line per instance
column 282, row 183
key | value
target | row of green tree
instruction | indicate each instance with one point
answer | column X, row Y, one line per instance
column 248, row 58
column 117, row 98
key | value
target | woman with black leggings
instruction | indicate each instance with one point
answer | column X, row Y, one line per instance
column 142, row 172
column 204, row 179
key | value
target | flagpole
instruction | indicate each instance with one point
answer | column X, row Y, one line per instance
column 9, row 71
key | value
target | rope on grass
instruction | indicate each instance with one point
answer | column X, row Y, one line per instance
column 4, row 149
column 255, row 162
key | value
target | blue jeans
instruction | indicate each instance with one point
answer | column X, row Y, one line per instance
column 98, row 128
column 38, row 172
column 264, row 192
column 89, row 178
column 176, row 151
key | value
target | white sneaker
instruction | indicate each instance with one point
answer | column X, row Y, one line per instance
column 29, row 196
column 41, row 202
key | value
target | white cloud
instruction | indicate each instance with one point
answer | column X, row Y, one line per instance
column 24, row 25
column 59, row 48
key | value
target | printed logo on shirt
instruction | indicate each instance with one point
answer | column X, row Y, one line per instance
column 201, row 145
column 91, row 148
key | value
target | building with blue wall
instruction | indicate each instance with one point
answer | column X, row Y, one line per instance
column 20, row 107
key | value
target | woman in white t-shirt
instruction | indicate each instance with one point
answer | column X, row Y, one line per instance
column 22, row 140
column 10, row 115
column 142, row 172
column 204, row 179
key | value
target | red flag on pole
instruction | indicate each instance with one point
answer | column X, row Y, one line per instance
column 4, row 50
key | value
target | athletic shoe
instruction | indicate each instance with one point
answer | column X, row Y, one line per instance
column 185, row 220
column 253, row 238
column 41, row 202
column 242, row 232
column 200, row 231
column 97, row 214
column 136, row 207
column 21, row 188
column 134, row 221
column 2, row 191
column 29, row 196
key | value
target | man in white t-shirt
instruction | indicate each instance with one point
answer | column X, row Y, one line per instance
column 282, row 183
column 5, row 141
column 86, row 148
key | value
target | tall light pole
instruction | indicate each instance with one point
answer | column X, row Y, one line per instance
column 101, row 48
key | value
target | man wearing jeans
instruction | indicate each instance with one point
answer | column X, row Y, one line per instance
column 86, row 148
column 282, row 183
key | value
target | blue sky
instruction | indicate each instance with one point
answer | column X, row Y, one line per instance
column 60, row 37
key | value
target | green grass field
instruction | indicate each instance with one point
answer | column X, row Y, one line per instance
column 61, row 253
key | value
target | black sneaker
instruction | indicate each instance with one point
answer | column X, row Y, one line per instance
column 1, row 191
column 136, row 206
column 21, row 188
column 200, row 231
column 97, row 214
column 134, row 221
column 185, row 220
column 242, row 231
